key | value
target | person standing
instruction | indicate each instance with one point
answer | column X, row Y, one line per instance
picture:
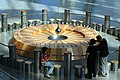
column 92, row 52
column 103, row 47
column 45, row 61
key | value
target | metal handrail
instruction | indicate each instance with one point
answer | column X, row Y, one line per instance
column 4, row 44
column 114, row 51
column 8, row 74
column 82, row 55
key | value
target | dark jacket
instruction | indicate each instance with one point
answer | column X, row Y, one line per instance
column 92, row 50
column 103, row 47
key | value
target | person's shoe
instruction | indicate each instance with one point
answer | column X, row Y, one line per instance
column 106, row 74
column 101, row 75
column 51, row 73
column 94, row 76
column 89, row 77
column 47, row 75
column 86, row 75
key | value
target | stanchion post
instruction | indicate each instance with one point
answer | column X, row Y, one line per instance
column 118, row 33
column 66, row 16
column 88, row 19
column 67, row 64
column 94, row 25
column 111, row 30
column 36, row 61
column 44, row 16
column 10, row 26
column 106, row 23
column 23, row 18
column 100, row 27
column 12, row 54
column 4, row 22
column 119, row 59
column 40, row 61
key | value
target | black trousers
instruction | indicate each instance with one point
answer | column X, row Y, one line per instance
column 92, row 65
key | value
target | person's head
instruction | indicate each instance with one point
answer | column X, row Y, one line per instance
column 92, row 41
column 99, row 38
column 44, row 49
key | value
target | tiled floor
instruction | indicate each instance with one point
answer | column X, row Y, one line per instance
column 97, row 7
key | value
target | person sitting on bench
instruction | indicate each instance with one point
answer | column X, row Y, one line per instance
column 45, row 61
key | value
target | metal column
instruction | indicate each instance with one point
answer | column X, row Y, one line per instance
column 119, row 58
column 44, row 16
column 4, row 22
column 106, row 23
column 88, row 19
column 36, row 61
column 12, row 54
column 67, row 64
column 23, row 18
column 66, row 16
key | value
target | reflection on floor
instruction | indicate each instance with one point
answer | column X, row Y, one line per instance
column 7, row 73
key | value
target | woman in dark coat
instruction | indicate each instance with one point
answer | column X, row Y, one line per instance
column 92, row 52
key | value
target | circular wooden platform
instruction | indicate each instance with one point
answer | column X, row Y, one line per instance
column 37, row 36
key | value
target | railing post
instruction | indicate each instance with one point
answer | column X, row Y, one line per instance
column 4, row 22
column 94, row 25
column 119, row 34
column 17, row 25
column 99, row 27
column 36, row 22
column 67, row 64
column 111, row 30
column 66, row 16
column 81, row 23
column 10, row 26
column 59, row 21
column 12, row 54
column 106, row 23
column 23, row 18
column 119, row 58
column 44, row 16
column 36, row 61
column 88, row 19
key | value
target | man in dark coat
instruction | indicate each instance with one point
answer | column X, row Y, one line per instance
column 103, row 48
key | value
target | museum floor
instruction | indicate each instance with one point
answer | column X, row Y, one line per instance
column 17, row 75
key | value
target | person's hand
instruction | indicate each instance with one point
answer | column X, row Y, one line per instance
column 97, row 43
column 87, row 54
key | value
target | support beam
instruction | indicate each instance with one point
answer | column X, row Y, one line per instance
column 66, row 16
column 44, row 16
column 106, row 23
column 4, row 22
column 88, row 19
column 23, row 18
